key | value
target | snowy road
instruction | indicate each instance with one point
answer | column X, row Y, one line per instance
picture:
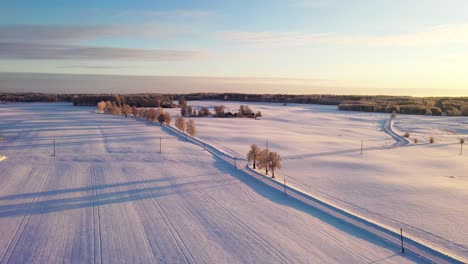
column 108, row 196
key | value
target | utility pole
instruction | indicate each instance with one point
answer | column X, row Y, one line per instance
column 267, row 144
column 284, row 186
column 401, row 237
column 362, row 145
column 462, row 140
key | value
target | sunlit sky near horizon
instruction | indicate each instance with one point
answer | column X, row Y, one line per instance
column 383, row 44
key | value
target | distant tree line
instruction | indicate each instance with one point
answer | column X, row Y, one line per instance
column 219, row 111
column 414, row 106
column 451, row 106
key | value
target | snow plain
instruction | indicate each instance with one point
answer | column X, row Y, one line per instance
column 422, row 188
column 109, row 196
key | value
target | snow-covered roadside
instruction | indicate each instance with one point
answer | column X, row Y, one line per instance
column 420, row 187
column 431, row 254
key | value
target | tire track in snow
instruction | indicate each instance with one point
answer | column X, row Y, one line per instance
column 243, row 225
column 250, row 198
column 97, row 256
column 167, row 222
column 387, row 127
column 27, row 216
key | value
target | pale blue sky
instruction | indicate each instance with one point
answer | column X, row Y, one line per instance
column 361, row 43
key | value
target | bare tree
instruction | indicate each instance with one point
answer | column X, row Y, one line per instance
column 182, row 103
column 263, row 160
column 116, row 110
column 101, row 106
column 167, row 118
column 191, row 130
column 253, row 154
column 126, row 110
column 142, row 112
column 189, row 110
column 109, row 106
column 219, row 110
column 161, row 118
column 274, row 162
column 180, row 123
column 151, row 115
column 204, row 112
column 134, row 111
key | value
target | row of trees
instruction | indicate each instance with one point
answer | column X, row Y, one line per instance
column 188, row 127
column 219, row 111
column 264, row 159
column 150, row 114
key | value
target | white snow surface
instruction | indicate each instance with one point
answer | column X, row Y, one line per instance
column 422, row 188
column 109, row 196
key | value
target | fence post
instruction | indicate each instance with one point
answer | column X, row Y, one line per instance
column 401, row 237
column 284, row 186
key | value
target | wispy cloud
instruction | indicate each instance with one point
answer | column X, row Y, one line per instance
column 179, row 13
column 73, row 33
column 31, row 51
column 430, row 36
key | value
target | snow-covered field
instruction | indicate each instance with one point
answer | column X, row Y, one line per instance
column 109, row 196
column 421, row 188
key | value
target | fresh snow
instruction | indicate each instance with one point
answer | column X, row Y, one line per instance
column 422, row 188
column 108, row 196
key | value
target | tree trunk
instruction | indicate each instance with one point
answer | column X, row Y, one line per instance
column 273, row 173
column 254, row 164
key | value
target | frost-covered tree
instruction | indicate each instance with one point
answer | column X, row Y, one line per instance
column 167, row 118
column 151, row 115
column 142, row 112
column 115, row 110
column 182, row 103
column 109, row 106
column 191, row 130
column 219, row 110
column 180, row 123
column 161, row 119
column 101, row 106
column 274, row 162
column 263, row 160
column 126, row 110
column 253, row 155
column 189, row 111
column 134, row 111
